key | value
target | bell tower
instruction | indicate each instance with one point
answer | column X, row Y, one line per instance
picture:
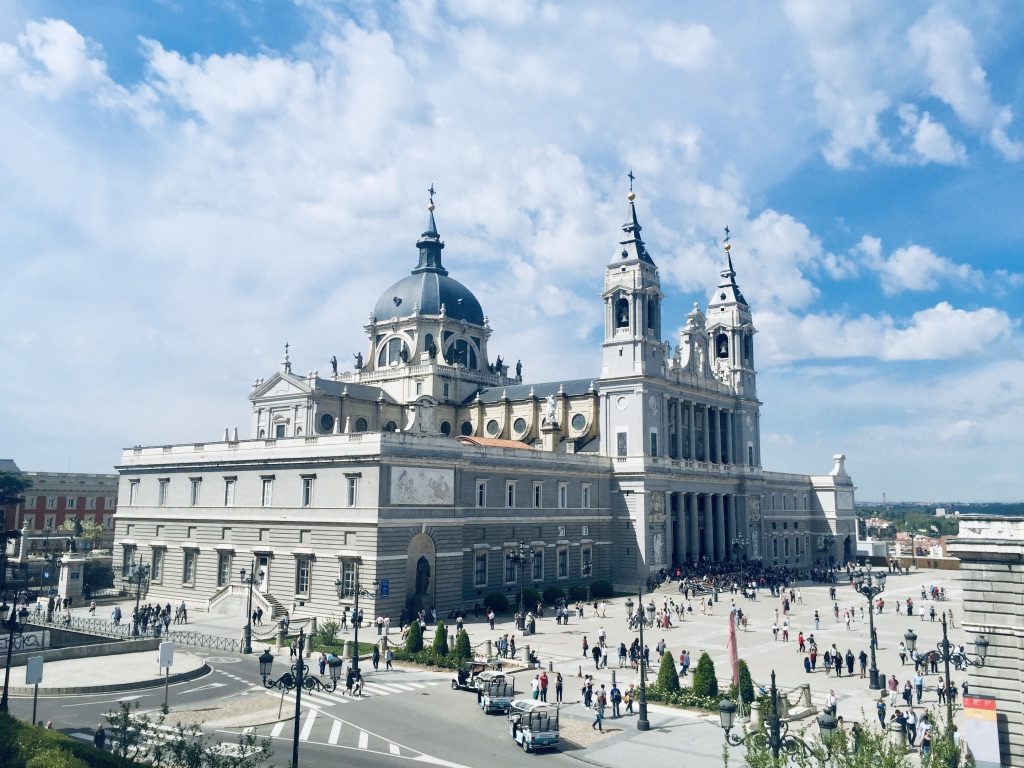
column 731, row 331
column 632, row 307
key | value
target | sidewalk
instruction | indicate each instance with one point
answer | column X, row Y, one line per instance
column 108, row 673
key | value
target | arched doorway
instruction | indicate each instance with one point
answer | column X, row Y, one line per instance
column 420, row 573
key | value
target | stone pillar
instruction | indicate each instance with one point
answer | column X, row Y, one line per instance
column 679, row 428
column 72, row 572
column 730, row 526
column 551, row 438
column 730, row 458
column 680, row 547
column 692, row 541
column 708, row 545
column 691, row 432
column 705, row 455
column 719, row 518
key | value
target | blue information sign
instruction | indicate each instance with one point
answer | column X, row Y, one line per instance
column 385, row 587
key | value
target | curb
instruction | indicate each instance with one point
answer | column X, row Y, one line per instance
column 151, row 683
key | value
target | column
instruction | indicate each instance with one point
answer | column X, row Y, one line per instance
column 693, row 537
column 719, row 518
column 691, row 435
column 670, row 544
column 705, row 454
column 730, row 457
column 708, row 545
column 730, row 526
column 679, row 510
column 679, row 429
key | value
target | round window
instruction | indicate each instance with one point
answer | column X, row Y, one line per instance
column 579, row 421
column 466, row 428
column 519, row 425
column 492, row 427
column 326, row 422
column 446, row 428
column 360, row 424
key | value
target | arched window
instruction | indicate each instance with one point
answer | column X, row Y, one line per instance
column 721, row 345
column 446, row 428
column 392, row 353
column 360, row 424
column 622, row 313
column 652, row 314
column 391, row 427
column 467, row 428
column 461, row 352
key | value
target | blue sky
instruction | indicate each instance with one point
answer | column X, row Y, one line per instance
column 188, row 185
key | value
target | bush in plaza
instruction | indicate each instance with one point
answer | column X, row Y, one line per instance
column 577, row 593
column 530, row 599
column 552, row 595
column 668, row 675
column 497, row 602
column 705, row 682
column 601, row 589
column 328, row 633
column 684, row 697
column 414, row 640
column 440, row 644
column 463, row 650
column 55, row 757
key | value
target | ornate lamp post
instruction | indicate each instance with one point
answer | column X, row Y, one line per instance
column 945, row 651
column 16, row 624
column 739, row 545
column 297, row 680
column 871, row 585
column 250, row 580
column 642, row 723
column 521, row 557
column 138, row 572
column 777, row 738
column 355, row 591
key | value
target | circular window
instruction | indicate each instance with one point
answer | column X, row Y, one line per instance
column 390, row 427
column 622, row 403
column 360, row 424
column 492, row 427
column 466, row 428
column 579, row 421
column 326, row 422
column 446, row 428
column 519, row 425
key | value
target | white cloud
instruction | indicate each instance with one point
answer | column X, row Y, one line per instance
column 687, row 47
column 57, row 60
column 930, row 140
column 914, row 268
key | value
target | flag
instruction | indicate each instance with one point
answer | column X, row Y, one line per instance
column 730, row 647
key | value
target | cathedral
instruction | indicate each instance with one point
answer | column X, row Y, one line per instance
column 414, row 478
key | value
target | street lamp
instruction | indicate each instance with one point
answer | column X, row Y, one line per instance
column 642, row 723
column 15, row 624
column 520, row 557
column 249, row 580
column 739, row 544
column 960, row 658
column 297, row 680
column 138, row 572
column 355, row 591
column 871, row 585
column 777, row 739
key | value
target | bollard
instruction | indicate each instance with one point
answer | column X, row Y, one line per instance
column 488, row 650
column 896, row 735
column 613, row 678
column 579, row 671
column 346, row 652
column 551, row 666
column 313, row 627
column 526, row 655
column 755, row 715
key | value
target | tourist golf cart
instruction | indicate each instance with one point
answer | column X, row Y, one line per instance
column 467, row 674
column 495, row 693
column 533, row 724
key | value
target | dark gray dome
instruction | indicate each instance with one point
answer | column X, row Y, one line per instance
column 429, row 290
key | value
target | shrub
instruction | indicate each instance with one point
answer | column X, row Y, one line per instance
column 746, row 685
column 668, row 675
column 497, row 602
column 577, row 593
column 463, row 650
column 440, row 644
column 54, row 757
column 552, row 595
column 530, row 599
column 705, row 683
column 684, row 697
column 328, row 633
column 414, row 640
column 601, row 589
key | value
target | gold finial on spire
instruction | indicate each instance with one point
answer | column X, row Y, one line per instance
column 431, row 193
column 728, row 246
column 632, row 195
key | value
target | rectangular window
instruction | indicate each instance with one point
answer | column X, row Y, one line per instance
column 796, row 526
column 223, row 568
column 538, row 565
column 188, row 571
column 785, row 547
column 193, row 497
column 90, row 503
column 302, row 566
column 586, row 561
column 775, row 548
column 510, row 568
column 481, row 493
column 71, row 502
column 268, row 491
column 161, row 494
column 348, row 577
column 563, row 495
column 563, row 563
column 585, row 497
column 307, row 492
column 51, row 502
column 585, row 530
column 49, row 521
column 30, row 502
column 157, row 568
column 126, row 559
column 191, row 531
column 279, row 430
column 621, row 443
column 30, row 522
column 510, row 493
column 538, row 495
column 480, row 569
column 797, row 543
column 351, row 490
column 133, row 492
column 654, row 443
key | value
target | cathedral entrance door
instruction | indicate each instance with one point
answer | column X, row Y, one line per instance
column 263, row 569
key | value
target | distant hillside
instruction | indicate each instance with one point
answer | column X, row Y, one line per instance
column 920, row 518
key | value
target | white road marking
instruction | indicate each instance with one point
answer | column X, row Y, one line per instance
column 276, row 730
column 394, row 749
column 364, row 739
column 307, row 727
column 335, row 732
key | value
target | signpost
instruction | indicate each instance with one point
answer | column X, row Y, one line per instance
column 33, row 677
column 166, row 660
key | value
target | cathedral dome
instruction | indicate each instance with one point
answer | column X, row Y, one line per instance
column 429, row 290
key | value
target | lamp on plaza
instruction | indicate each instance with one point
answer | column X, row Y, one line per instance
column 642, row 723
column 520, row 558
column 871, row 585
column 14, row 625
column 739, row 545
column 254, row 577
column 355, row 590
column 777, row 737
column 138, row 573
column 298, row 680
column 946, row 651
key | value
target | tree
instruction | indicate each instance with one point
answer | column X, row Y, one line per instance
column 54, row 757
column 12, row 485
column 746, row 689
column 440, row 644
column 463, row 650
column 414, row 640
column 705, row 682
column 91, row 531
column 668, row 675
column 328, row 633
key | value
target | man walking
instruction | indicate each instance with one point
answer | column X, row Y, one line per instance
column 919, row 686
column 543, row 686
column 616, row 697
column 599, row 704
column 99, row 738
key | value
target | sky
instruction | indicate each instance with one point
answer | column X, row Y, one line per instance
column 186, row 185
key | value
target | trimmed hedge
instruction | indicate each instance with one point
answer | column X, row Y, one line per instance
column 530, row 598
column 21, row 744
column 601, row 589
column 746, row 685
column 684, row 697
column 668, row 675
column 414, row 640
column 440, row 644
column 496, row 602
column 463, row 650
column 705, row 682
column 552, row 595
column 577, row 594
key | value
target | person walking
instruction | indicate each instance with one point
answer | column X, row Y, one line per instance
column 374, row 658
column 629, row 696
column 919, row 686
column 863, row 663
column 911, row 727
column 616, row 696
column 849, row 662
column 558, row 687
column 599, row 705
column 543, row 686
column 880, row 707
column 894, row 689
column 389, row 659
column 99, row 738
column 322, row 661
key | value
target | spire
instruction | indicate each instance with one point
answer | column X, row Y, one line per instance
column 430, row 244
column 728, row 290
column 633, row 245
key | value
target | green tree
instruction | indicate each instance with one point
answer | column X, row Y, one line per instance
column 463, row 650
column 414, row 640
column 746, row 687
column 12, row 485
column 865, row 747
column 91, row 531
column 668, row 675
column 54, row 757
column 327, row 634
column 440, row 644
column 705, row 682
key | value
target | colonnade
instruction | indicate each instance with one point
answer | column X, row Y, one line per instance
column 701, row 432
column 710, row 526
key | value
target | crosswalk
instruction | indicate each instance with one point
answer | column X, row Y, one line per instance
column 372, row 689
column 325, row 729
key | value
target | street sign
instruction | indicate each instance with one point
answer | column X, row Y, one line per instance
column 34, row 670
column 385, row 587
column 166, row 654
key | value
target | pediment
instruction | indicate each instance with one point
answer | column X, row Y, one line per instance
column 281, row 385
